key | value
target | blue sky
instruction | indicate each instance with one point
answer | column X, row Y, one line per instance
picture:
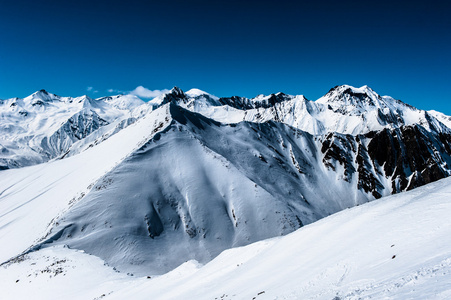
column 401, row 49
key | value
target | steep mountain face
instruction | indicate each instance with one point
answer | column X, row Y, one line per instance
column 411, row 156
column 260, row 101
column 74, row 129
column 206, row 186
column 213, row 173
column 390, row 160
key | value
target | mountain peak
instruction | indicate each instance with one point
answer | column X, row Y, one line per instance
column 176, row 91
column 195, row 92
column 42, row 95
column 351, row 96
column 175, row 94
column 348, row 89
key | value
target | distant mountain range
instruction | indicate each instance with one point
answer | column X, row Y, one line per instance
column 147, row 186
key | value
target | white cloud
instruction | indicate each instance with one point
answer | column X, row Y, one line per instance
column 91, row 89
column 116, row 91
column 143, row 92
column 140, row 92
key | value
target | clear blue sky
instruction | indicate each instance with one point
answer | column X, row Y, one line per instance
column 401, row 49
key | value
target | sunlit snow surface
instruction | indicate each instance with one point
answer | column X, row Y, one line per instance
column 395, row 248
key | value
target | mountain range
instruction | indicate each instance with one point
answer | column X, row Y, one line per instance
column 147, row 186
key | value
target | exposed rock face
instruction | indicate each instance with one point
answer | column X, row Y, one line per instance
column 258, row 102
column 175, row 95
column 74, row 129
column 409, row 157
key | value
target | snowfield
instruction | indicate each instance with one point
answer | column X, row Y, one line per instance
column 395, row 248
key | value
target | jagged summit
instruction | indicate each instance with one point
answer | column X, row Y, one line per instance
column 260, row 101
column 175, row 95
column 176, row 91
column 349, row 95
column 41, row 95
column 371, row 110
column 361, row 98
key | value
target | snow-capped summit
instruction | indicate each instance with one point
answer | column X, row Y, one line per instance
column 194, row 93
column 43, row 95
column 350, row 99
column 40, row 98
column 123, row 102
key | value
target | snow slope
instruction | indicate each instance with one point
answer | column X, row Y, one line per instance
column 393, row 248
column 33, row 198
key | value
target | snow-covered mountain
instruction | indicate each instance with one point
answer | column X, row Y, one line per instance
column 44, row 126
column 344, row 109
column 148, row 186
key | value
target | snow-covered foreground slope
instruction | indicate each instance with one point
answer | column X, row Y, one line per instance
column 397, row 247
